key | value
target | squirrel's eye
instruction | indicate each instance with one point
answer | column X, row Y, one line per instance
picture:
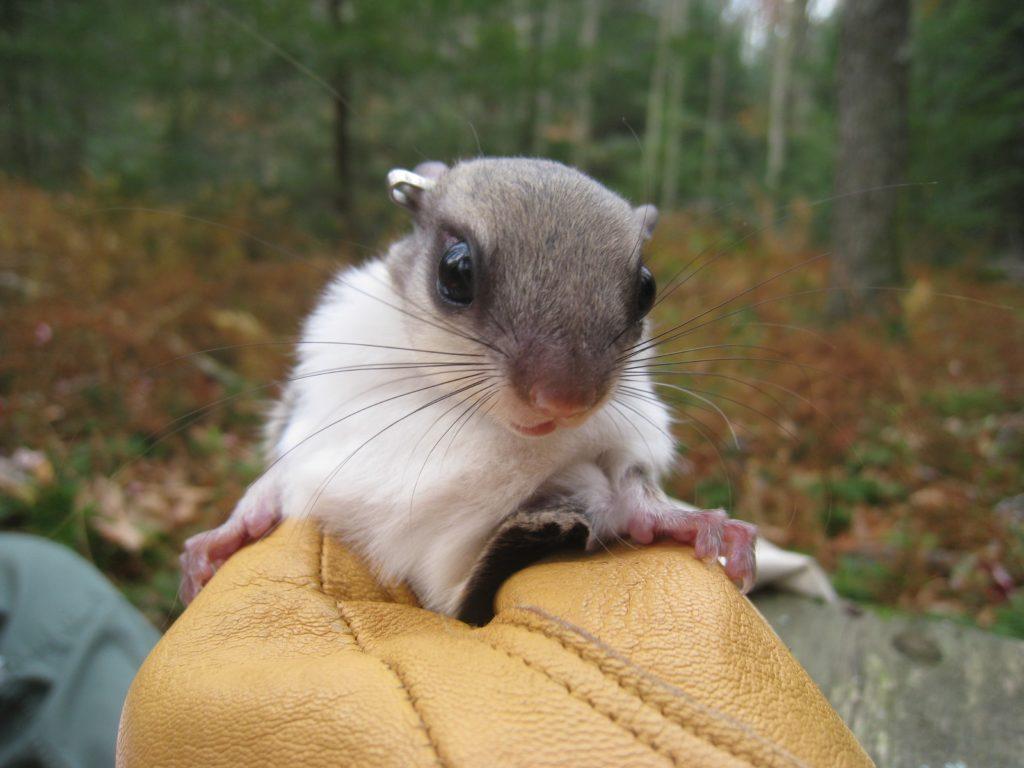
column 646, row 291
column 455, row 275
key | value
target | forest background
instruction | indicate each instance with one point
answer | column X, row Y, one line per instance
column 840, row 185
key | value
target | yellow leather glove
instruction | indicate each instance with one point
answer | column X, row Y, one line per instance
column 295, row 656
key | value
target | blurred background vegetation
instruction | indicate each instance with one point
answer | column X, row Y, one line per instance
column 182, row 175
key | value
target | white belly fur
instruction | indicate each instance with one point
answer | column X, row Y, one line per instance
column 366, row 475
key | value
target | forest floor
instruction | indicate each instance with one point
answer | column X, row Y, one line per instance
column 894, row 453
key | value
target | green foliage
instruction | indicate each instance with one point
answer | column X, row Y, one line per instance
column 863, row 579
column 836, row 519
column 872, row 454
column 1010, row 617
column 858, row 489
column 49, row 513
column 967, row 98
column 715, row 493
column 970, row 403
column 204, row 101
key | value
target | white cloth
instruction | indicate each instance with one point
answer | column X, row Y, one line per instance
column 791, row 572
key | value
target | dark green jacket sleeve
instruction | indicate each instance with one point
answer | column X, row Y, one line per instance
column 69, row 648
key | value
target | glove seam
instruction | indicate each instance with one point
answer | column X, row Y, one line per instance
column 322, row 586
column 413, row 702
column 633, row 690
column 647, row 741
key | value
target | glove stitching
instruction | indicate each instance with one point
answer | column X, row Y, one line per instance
column 643, row 738
column 401, row 681
column 320, row 567
column 638, row 693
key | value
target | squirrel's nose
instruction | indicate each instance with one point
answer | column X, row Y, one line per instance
column 558, row 404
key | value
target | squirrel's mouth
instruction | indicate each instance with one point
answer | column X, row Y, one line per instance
column 537, row 430
column 548, row 426
column 532, row 419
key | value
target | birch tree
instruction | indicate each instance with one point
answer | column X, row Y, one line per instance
column 713, row 117
column 789, row 18
column 656, row 95
column 674, row 106
column 664, row 103
column 585, row 81
column 544, row 100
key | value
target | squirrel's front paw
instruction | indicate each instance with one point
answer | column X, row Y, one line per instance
column 256, row 515
column 711, row 533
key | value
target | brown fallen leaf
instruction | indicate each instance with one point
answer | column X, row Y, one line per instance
column 130, row 514
column 929, row 498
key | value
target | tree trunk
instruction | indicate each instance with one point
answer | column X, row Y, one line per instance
column 584, row 86
column 674, row 106
column 872, row 116
column 785, row 35
column 713, row 118
column 343, row 170
column 653, row 128
column 801, row 96
column 19, row 144
column 341, row 82
column 533, row 45
column 548, row 41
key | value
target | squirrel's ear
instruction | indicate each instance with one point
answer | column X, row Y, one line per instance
column 647, row 218
column 407, row 187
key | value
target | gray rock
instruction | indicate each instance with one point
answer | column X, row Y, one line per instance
column 916, row 692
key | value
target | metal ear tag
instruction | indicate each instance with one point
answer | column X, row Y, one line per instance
column 401, row 182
